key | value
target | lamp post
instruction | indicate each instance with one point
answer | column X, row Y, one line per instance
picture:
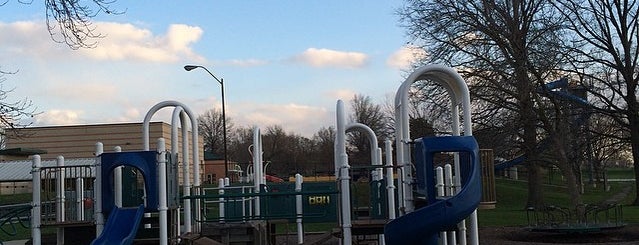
column 221, row 81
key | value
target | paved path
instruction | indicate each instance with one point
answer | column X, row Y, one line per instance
column 15, row 242
column 619, row 196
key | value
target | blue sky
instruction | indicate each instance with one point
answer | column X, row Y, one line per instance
column 283, row 62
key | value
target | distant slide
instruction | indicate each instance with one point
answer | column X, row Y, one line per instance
column 510, row 163
column 121, row 226
column 423, row 225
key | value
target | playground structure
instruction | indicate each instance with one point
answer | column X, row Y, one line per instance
column 434, row 205
column 440, row 214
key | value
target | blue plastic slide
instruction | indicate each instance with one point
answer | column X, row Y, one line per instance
column 121, row 226
column 423, row 225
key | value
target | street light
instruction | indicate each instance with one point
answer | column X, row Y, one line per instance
column 221, row 81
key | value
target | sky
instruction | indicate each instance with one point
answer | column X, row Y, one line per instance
column 283, row 62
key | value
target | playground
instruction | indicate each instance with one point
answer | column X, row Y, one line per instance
column 417, row 190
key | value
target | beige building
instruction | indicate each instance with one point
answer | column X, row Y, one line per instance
column 78, row 141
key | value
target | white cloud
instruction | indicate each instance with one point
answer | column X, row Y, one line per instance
column 332, row 58
column 405, row 56
column 22, row 38
column 59, row 117
column 342, row 94
column 121, row 41
column 83, row 92
column 126, row 41
column 130, row 114
column 247, row 62
column 302, row 119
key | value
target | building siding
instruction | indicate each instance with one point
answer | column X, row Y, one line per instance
column 78, row 141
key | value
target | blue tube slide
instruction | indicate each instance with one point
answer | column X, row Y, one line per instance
column 423, row 225
column 121, row 226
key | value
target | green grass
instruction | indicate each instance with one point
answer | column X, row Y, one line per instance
column 17, row 231
column 512, row 196
column 15, row 198
column 620, row 173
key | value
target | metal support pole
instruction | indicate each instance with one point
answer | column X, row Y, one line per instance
column 97, row 190
column 298, row 207
column 36, row 212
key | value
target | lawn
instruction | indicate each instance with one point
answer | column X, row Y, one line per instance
column 620, row 173
column 512, row 195
column 15, row 198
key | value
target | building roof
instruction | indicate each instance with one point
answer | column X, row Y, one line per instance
column 21, row 151
column 18, row 171
column 209, row 155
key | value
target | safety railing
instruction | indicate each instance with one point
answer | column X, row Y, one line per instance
column 66, row 194
column 584, row 218
column 237, row 204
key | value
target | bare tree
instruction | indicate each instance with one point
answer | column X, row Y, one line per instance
column 505, row 50
column 364, row 111
column 324, row 140
column 608, row 143
column 605, row 55
column 72, row 19
column 239, row 141
column 211, row 128
column 69, row 21
column 13, row 114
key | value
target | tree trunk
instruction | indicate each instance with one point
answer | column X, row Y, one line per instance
column 633, row 120
column 634, row 139
column 573, row 183
column 529, row 145
column 535, row 171
column 535, row 181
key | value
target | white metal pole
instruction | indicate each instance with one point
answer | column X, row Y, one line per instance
column 403, row 138
column 79, row 197
column 196, row 166
column 179, row 116
column 220, row 186
column 194, row 143
column 449, row 188
column 439, row 176
column 36, row 212
column 344, row 177
column 390, row 179
column 188, row 213
column 162, row 195
column 60, row 198
column 399, row 152
column 257, row 166
column 461, row 226
column 117, row 182
column 298, row 207
column 97, row 190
